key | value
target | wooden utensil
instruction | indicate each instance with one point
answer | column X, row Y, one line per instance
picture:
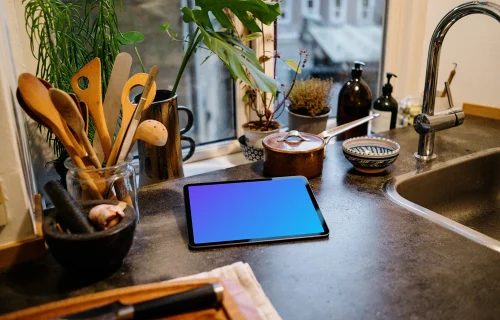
column 45, row 83
column 38, row 101
column 128, row 110
column 69, row 111
column 117, row 80
column 93, row 98
column 111, row 103
column 36, row 118
column 152, row 132
column 129, row 136
column 27, row 109
column 85, row 116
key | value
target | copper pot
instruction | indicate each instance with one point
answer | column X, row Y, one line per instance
column 301, row 154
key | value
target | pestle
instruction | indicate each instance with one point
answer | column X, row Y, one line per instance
column 71, row 215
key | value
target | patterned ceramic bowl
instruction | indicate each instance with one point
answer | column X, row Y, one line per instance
column 250, row 153
column 370, row 154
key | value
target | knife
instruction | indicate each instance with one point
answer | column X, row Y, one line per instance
column 208, row 296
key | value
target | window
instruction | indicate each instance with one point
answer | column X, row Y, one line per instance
column 338, row 11
column 334, row 42
column 206, row 89
column 286, row 11
column 310, row 8
column 366, row 11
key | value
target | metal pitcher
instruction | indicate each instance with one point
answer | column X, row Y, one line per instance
column 164, row 163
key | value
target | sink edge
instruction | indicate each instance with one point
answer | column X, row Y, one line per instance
column 391, row 193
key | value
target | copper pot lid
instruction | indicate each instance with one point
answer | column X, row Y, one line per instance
column 293, row 142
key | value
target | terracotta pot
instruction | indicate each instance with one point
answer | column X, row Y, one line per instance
column 308, row 124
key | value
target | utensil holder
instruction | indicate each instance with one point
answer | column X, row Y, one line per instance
column 164, row 163
column 114, row 182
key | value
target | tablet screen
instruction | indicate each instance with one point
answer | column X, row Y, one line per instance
column 252, row 211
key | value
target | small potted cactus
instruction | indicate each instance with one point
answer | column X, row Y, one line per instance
column 309, row 108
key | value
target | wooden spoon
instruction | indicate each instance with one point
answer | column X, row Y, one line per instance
column 69, row 111
column 27, row 109
column 38, row 101
column 93, row 98
column 152, row 132
column 36, row 118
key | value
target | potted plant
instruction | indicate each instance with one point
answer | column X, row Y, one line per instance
column 64, row 36
column 267, row 108
column 230, row 47
column 309, row 106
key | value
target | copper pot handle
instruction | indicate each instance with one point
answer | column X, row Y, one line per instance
column 329, row 134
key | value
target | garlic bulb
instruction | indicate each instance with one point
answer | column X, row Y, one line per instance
column 105, row 216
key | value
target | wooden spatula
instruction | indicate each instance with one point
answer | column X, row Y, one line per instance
column 141, row 106
column 93, row 98
column 128, row 110
column 112, row 103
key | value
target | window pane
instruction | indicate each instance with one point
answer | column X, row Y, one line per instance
column 333, row 46
column 205, row 89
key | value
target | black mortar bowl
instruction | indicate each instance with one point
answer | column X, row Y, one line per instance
column 101, row 251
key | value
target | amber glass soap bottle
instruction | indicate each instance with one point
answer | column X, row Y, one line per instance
column 355, row 100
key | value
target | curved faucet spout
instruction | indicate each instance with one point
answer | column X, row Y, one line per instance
column 426, row 141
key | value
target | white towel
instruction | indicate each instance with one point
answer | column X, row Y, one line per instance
column 242, row 274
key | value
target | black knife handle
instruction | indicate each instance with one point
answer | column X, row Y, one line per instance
column 205, row 297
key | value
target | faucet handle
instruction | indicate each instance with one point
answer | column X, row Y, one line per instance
column 459, row 113
column 448, row 92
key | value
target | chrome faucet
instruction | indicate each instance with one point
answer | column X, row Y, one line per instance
column 427, row 123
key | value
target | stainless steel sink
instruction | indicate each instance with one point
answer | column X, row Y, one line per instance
column 462, row 195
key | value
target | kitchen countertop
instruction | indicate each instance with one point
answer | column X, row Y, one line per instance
column 380, row 261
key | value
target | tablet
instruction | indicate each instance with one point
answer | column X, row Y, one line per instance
column 252, row 211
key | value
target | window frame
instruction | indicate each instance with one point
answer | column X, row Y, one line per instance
column 242, row 113
column 333, row 9
column 370, row 12
column 315, row 12
column 289, row 11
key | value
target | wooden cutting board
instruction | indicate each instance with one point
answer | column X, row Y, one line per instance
column 236, row 303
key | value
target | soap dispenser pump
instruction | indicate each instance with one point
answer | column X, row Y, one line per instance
column 355, row 99
column 387, row 106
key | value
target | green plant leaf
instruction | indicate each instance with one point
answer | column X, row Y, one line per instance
column 235, row 55
column 252, row 36
column 131, row 37
column 165, row 26
column 188, row 15
column 293, row 65
column 246, row 11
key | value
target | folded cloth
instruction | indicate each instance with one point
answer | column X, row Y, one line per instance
column 242, row 274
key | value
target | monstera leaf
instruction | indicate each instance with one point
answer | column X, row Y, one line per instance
column 246, row 11
column 233, row 53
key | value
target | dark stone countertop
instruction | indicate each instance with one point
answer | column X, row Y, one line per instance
column 380, row 261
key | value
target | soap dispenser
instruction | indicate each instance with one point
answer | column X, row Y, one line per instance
column 387, row 106
column 355, row 99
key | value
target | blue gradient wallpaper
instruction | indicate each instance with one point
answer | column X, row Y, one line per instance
column 225, row 212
